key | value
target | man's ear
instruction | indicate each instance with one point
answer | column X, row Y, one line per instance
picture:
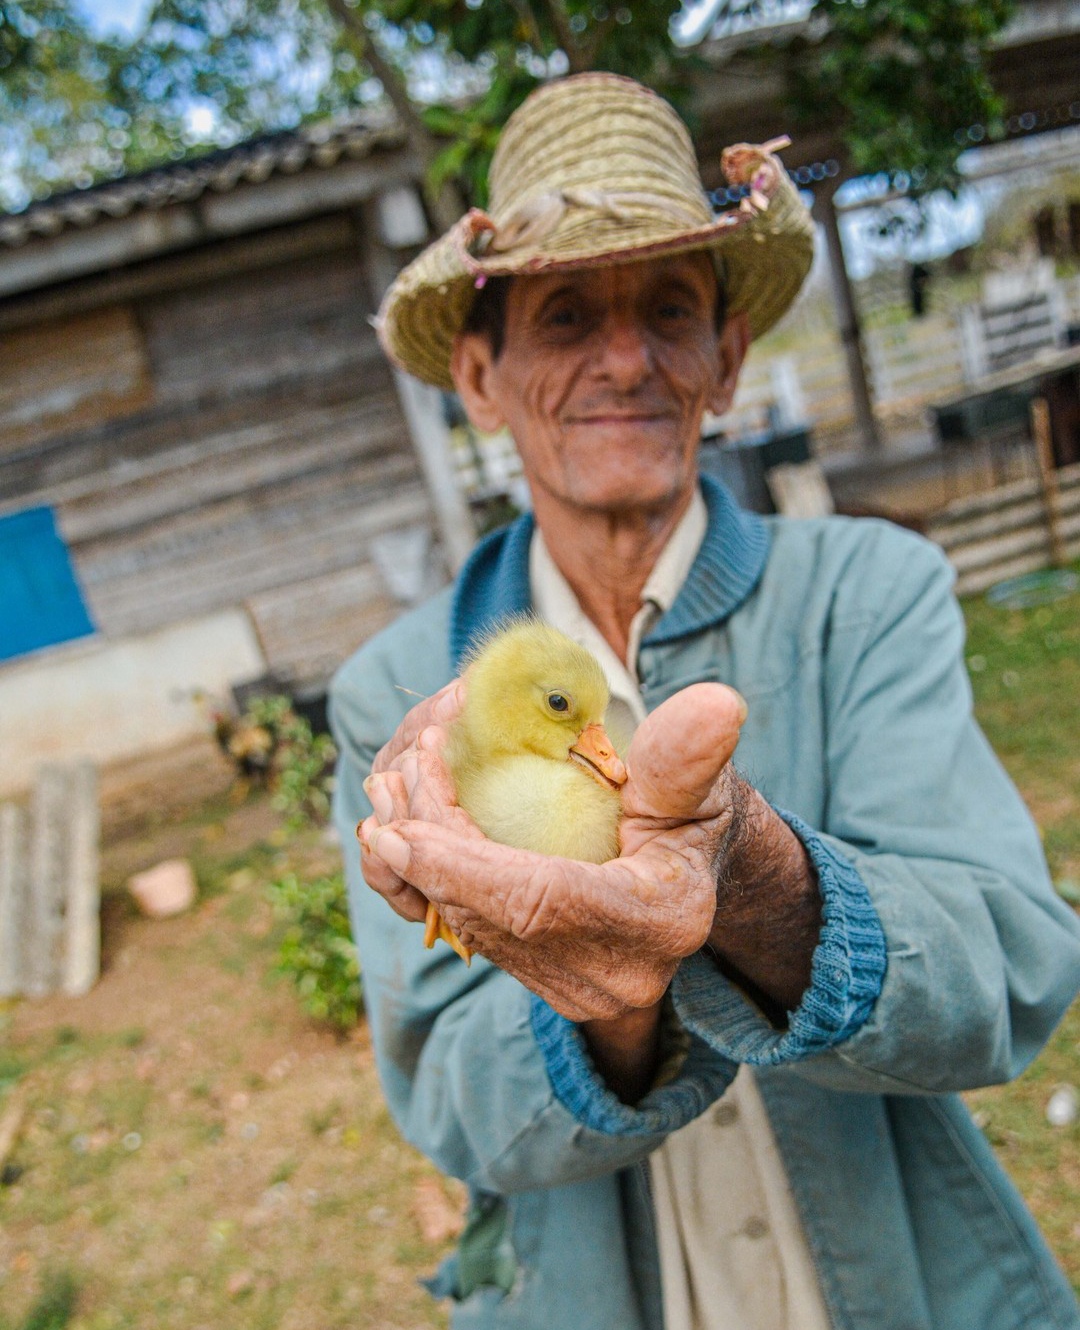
column 472, row 366
column 733, row 344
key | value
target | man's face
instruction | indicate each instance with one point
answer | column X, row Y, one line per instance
column 603, row 379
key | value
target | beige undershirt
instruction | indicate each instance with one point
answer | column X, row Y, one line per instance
column 733, row 1255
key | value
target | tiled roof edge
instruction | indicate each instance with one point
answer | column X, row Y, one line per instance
column 311, row 147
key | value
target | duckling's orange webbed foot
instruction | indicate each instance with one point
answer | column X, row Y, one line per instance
column 435, row 927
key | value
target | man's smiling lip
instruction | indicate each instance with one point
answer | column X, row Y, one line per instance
column 621, row 418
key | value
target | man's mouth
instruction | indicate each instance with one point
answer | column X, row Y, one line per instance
column 622, row 418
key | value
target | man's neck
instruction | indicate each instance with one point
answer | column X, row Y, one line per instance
column 607, row 558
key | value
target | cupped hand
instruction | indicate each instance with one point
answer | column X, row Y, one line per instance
column 594, row 940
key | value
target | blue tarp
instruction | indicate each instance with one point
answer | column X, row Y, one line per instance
column 40, row 600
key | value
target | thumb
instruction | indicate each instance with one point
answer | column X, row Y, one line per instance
column 679, row 751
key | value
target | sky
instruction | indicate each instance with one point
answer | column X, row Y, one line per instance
column 115, row 17
column 124, row 16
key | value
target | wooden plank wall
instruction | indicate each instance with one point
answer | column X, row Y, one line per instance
column 310, row 315
column 266, row 453
column 70, row 372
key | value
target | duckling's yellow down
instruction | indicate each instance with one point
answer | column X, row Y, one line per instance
column 515, row 751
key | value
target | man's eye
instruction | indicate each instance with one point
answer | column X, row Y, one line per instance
column 564, row 317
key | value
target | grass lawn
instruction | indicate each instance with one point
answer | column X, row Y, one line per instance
column 1025, row 670
column 189, row 1150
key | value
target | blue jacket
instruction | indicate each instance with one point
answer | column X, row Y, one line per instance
column 945, row 958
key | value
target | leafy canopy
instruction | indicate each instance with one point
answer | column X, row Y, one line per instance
column 904, row 80
column 898, row 77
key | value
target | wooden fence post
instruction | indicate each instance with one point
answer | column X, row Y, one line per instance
column 14, row 876
column 50, row 929
column 1048, row 478
column 82, row 910
column 45, row 917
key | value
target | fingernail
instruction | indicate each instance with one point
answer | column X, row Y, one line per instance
column 391, row 848
column 380, row 798
column 364, row 830
column 410, row 772
column 447, row 707
column 744, row 709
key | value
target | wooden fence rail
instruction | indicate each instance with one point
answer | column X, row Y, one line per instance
column 908, row 363
column 1007, row 531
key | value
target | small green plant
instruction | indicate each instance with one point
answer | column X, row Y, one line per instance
column 55, row 1306
column 11, row 1069
column 284, row 1171
column 317, row 951
column 321, row 1119
column 269, row 742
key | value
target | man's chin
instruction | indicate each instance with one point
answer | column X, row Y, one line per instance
column 636, row 492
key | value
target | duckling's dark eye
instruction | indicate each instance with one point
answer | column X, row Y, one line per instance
column 557, row 702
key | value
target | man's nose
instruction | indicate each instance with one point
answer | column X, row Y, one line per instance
column 625, row 352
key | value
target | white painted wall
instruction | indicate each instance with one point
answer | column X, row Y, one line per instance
column 113, row 700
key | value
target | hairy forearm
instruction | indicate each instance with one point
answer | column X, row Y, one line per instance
column 765, row 929
column 768, row 906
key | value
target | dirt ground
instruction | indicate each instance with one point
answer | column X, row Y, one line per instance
column 187, row 1149
column 183, row 1148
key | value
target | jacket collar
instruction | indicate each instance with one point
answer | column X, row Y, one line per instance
column 494, row 583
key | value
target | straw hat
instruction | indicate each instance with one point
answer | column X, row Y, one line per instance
column 592, row 170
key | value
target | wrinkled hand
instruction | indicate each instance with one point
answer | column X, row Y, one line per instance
column 593, row 940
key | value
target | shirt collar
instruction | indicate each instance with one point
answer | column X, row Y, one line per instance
column 494, row 583
column 672, row 568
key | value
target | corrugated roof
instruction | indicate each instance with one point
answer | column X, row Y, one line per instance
column 312, row 147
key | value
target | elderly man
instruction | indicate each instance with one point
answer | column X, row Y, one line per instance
column 709, row 1085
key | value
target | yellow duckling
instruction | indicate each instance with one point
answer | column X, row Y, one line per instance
column 531, row 762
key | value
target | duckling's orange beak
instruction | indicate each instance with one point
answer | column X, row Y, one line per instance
column 594, row 751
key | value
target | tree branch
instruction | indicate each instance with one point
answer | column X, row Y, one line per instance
column 561, row 22
column 445, row 205
column 592, row 50
column 528, row 21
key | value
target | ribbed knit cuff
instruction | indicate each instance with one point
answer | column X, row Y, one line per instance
column 847, row 971
column 703, row 1078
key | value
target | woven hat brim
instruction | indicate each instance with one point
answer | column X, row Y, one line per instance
column 764, row 257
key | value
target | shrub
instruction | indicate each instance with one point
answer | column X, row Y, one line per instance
column 317, row 951
column 271, row 743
